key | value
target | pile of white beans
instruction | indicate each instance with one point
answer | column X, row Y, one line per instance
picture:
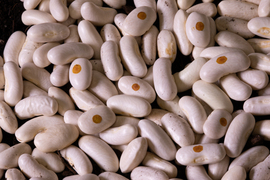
column 123, row 96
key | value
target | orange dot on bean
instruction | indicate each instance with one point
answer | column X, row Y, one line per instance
column 221, row 59
column 198, row 148
column 141, row 15
column 97, row 119
column 223, row 121
column 199, row 26
column 76, row 69
column 135, row 87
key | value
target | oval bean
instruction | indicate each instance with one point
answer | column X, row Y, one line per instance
column 133, row 154
column 158, row 141
column 48, row 32
column 238, row 133
column 100, row 152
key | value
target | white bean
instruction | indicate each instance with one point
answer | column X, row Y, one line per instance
column 116, row 4
column 260, row 26
column 133, row 154
column 261, row 170
column 109, row 54
column 217, row 123
column 111, row 176
column 40, row 58
column 31, row 168
column 185, row 4
column 65, row 103
column 149, row 3
column 208, row 9
column 235, row 88
column 97, row 65
column 48, row 32
column 200, row 154
column 156, row 115
column 80, row 73
column 235, row 25
column 31, row 17
column 120, row 104
column 194, row 112
column 98, row 16
column 198, row 29
column 149, row 45
column 109, row 32
column 35, row 106
column 131, row 85
column 260, row 61
column 171, row 106
column 119, row 135
column 262, row 128
column 217, row 170
column 77, row 159
column 139, row 20
column 238, row 133
column 13, row 46
column 60, row 75
column 257, row 105
column 89, row 35
column 250, row 157
column 231, row 9
column 237, row 172
column 28, row 130
column 214, row 51
column 13, row 174
column 158, row 141
column 56, row 137
column 152, row 160
column 131, row 57
column 100, row 152
column 84, row 99
column 74, row 35
column 212, row 95
column 166, row 45
column 178, row 129
column 230, row 39
column 257, row 79
column 260, row 45
column 8, row 120
column 36, row 75
column 27, row 51
column 68, row 52
column 10, row 156
column 183, row 43
column 195, row 172
column 189, row 75
column 13, row 83
column 263, row 9
column 44, row 5
column 49, row 160
column 166, row 11
column 83, row 177
column 75, row 7
column 102, row 87
column 96, row 119
column 148, row 173
column 164, row 83
column 28, row 4
column 59, row 10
